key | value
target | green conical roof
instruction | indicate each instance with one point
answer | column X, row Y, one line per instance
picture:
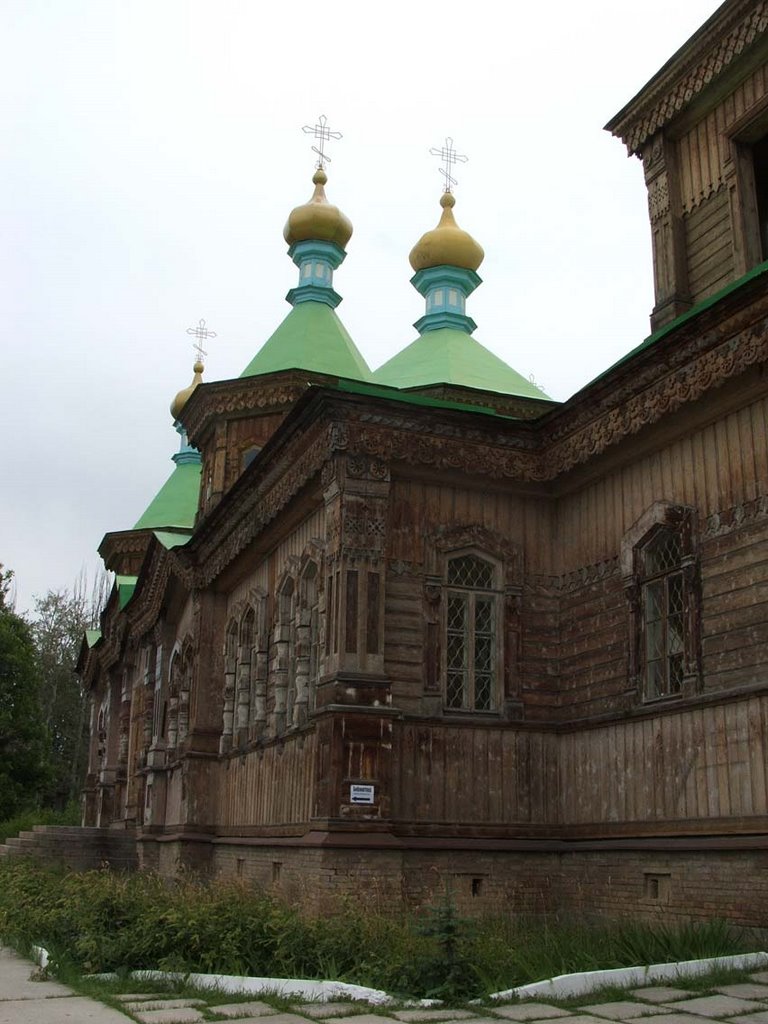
column 310, row 338
column 450, row 356
column 175, row 504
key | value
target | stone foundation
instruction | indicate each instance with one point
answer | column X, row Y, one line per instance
column 674, row 880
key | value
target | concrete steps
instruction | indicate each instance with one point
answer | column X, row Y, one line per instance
column 80, row 849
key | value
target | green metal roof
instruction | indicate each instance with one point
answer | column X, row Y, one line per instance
column 92, row 636
column 310, row 338
column 125, row 588
column 689, row 314
column 172, row 540
column 449, row 356
column 175, row 504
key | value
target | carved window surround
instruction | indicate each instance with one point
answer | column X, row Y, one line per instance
column 677, row 521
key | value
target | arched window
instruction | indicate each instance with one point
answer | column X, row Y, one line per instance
column 659, row 567
column 244, row 670
column 307, row 645
column 472, row 656
column 171, row 731
column 285, row 650
column 185, row 687
column 230, row 670
column 663, row 613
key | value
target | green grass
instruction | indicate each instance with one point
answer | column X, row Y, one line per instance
column 26, row 821
column 101, row 921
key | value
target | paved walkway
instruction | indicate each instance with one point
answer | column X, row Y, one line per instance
column 25, row 1001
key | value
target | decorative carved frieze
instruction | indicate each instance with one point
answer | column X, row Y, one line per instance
column 708, row 58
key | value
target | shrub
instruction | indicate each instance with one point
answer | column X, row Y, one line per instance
column 102, row 921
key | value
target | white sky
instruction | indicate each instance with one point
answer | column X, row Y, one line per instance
column 151, row 151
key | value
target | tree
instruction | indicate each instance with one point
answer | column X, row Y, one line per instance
column 23, row 767
column 61, row 619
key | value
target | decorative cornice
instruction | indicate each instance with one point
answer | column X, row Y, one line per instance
column 701, row 60
column 643, row 392
column 242, row 519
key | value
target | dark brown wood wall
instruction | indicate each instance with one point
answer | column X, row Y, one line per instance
column 488, row 775
column 272, row 786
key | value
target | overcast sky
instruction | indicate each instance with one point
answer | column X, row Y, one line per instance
column 152, row 149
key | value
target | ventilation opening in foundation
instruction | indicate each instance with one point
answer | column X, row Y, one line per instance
column 657, row 887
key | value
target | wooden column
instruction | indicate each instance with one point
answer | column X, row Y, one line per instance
column 354, row 696
column 670, row 268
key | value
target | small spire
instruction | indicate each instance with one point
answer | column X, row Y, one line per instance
column 201, row 333
column 323, row 134
column 450, row 157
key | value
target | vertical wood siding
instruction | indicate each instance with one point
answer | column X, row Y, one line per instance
column 709, row 245
column 704, row 149
column 270, row 568
column 273, row 786
column 708, row 761
column 458, row 774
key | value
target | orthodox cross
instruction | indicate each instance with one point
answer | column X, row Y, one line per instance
column 450, row 157
column 323, row 134
column 200, row 332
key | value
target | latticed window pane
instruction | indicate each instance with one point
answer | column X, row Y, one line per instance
column 470, row 571
column 664, row 615
column 457, row 651
column 662, row 553
column 655, row 685
column 471, row 636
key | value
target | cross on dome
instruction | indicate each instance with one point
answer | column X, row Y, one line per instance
column 323, row 134
column 201, row 333
column 450, row 157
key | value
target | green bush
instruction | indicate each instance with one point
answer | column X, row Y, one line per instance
column 101, row 921
column 25, row 821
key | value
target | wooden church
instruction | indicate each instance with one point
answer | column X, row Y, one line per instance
column 382, row 631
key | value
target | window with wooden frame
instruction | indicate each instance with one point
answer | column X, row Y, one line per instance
column 472, row 632
column 664, row 603
column 747, row 178
column 663, row 613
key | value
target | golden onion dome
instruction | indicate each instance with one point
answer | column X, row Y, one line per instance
column 318, row 219
column 447, row 244
column 184, row 395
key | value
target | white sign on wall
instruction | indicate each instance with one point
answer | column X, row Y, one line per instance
column 361, row 794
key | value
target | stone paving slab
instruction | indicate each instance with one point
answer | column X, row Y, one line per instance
column 361, row 1018
column 583, row 1018
column 16, row 981
column 249, row 1020
column 156, row 1002
column 252, row 1009
column 63, row 1010
column 176, row 1015
column 291, row 1018
column 761, row 976
column 745, row 990
column 135, row 997
column 622, row 1009
column 672, row 1018
column 427, row 1015
column 321, row 1010
column 661, row 993
column 752, row 1018
column 529, row 1011
column 717, row 1006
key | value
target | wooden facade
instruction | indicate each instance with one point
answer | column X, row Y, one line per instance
column 302, row 643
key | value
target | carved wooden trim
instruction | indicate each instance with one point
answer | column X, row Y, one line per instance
column 707, row 58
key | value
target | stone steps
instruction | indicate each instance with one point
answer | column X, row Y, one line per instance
column 78, row 848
